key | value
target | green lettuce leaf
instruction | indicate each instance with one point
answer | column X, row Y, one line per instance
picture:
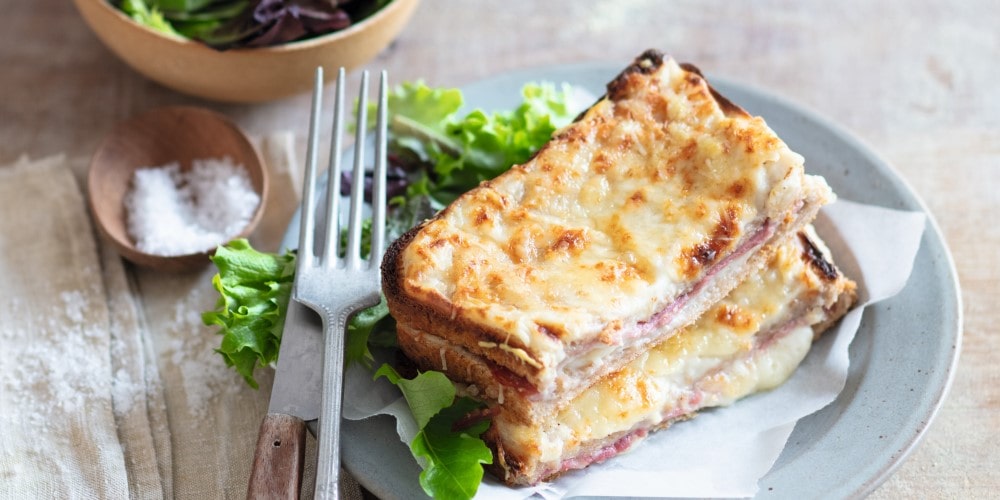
column 492, row 143
column 180, row 5
column 147, row 15
column 464, row 151
column 254, row 288
column 451, row 459
column 359, row 329
column 429, row 108
column 455, row 457
column 427, row 394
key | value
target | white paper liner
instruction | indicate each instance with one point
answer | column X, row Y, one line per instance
column 725, row 451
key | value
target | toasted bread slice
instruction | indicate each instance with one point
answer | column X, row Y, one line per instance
column 627, row 226
column 750, row 341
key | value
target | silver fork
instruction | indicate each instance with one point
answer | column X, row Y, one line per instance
column 337, row 287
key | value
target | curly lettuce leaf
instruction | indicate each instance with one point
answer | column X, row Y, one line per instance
column 464, row 151
column 492, row 143
column 418, row 118
column 254, row 288
column 451, row 459
column 432, row 108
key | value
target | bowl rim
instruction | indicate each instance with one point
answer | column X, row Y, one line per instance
column 280, row 48
column 128, row 249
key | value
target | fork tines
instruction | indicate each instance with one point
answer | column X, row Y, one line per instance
column 329, row 253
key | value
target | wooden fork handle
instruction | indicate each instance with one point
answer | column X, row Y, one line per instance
column 278, row 459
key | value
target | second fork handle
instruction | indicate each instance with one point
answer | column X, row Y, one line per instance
column 328, row 462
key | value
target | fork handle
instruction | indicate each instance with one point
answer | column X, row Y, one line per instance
column 278, row 459
column 328, row 461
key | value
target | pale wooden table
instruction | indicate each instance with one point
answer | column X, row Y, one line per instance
column 915, row 79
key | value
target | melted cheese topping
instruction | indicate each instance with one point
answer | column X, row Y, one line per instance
column 712, row 363
column 616, row 217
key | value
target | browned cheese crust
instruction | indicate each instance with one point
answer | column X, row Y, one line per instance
column 530, row 360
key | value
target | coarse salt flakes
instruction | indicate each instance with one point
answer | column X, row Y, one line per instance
column 178, row 212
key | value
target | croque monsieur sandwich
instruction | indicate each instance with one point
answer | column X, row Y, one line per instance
column 538, row 286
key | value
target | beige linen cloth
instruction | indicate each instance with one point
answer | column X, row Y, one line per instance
column 109, row 385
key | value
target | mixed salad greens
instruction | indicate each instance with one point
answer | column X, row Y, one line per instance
column 225, row 24
column 437, row 154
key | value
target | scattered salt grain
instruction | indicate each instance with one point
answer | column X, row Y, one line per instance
column 52, row 366
column 205, row 378
column 125, row 392
column 75, row 304
column 177, row 212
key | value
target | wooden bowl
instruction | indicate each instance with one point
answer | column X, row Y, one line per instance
column 242, row 75
column 155, row 138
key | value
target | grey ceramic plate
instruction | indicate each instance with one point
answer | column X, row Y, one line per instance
column 902, row 359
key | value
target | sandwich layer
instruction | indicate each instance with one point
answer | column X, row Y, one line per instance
column 623, row 229
column 751, row 341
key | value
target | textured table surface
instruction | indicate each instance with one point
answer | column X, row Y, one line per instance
column 917, row 80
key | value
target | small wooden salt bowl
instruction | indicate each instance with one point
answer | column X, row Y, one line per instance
column 156, row 138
